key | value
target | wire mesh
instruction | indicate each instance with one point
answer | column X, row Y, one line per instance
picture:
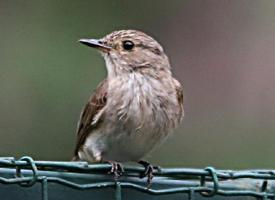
column 28, row 179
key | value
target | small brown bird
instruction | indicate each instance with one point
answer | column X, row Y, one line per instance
column 135, row 108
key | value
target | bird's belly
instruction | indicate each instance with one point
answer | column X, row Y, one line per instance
column 121, row 146
column 129, row 147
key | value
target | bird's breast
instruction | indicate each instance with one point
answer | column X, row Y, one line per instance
column 142, row 104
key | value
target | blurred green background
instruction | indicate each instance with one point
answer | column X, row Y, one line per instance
column 223, row 52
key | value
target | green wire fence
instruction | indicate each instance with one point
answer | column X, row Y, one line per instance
column 28, row 179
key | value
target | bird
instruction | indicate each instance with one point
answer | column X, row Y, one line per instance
column 135, row 108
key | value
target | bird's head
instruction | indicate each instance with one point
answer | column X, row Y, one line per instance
column 130, row 51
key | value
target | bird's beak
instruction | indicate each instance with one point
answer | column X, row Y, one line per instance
column 95, row 44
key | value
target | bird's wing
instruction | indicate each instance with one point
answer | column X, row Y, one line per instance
column 179, row 93
column 91, row 114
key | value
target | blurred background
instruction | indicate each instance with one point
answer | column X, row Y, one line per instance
column 222, row 51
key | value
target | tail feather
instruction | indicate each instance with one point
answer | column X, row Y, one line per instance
column 75, row 158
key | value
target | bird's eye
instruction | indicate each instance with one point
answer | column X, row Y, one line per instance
column 128, row 45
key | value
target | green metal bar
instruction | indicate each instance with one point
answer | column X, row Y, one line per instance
column 81, row 176
column 191, row 194
column 118, row 191
column 99, row 168
column 44, row 184
column 243, row 190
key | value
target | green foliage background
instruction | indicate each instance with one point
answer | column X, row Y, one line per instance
column 223, row 52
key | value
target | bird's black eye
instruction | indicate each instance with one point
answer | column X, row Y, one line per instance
column 128, row 45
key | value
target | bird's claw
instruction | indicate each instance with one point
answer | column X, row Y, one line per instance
column 117, row 170
column 148, row 172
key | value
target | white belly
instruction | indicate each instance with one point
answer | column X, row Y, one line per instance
column 121, row 146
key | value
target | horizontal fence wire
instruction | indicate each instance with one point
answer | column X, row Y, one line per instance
column 208, row 182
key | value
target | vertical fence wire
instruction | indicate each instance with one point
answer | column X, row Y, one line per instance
column 118, row 191
column 44, row 184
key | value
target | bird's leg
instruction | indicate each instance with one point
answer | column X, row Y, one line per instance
column 117, row 169
column 149, row 169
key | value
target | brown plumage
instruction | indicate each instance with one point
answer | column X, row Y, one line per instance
column 95, row 104
column 134, row 109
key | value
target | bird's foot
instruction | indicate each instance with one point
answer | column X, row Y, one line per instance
column 117, row 169
column 149, row 170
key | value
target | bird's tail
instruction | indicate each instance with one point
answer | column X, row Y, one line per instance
column 75, row 158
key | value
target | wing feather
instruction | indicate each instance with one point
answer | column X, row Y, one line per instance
column 179, row 93
column 89, row 119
